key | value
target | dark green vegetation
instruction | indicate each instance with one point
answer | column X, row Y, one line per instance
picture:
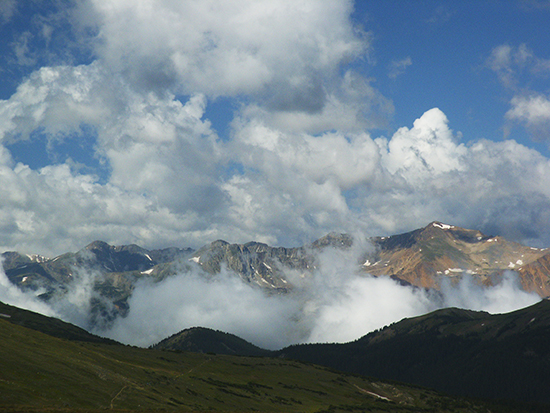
column 41, row 373
column 206, row 340
column 505, row 356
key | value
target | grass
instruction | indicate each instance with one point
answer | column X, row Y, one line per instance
column 40, row 373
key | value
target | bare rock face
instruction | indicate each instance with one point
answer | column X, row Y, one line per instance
column 265, row 266
column 427, row 256
column 535, row 276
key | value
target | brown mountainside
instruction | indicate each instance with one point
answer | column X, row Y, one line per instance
column 426, row 256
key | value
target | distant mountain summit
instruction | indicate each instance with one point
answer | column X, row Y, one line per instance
column 426, row 256
column 264, row 266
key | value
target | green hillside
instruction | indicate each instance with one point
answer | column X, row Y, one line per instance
column 41, row 373
column 49, row 325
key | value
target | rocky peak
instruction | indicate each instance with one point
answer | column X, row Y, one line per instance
column 335, row 240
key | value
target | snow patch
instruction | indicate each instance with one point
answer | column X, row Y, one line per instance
column 195, row 259
column 453, row 270
column 442, row 226
column 367, row 263
column 148, row 271
column 519, row 262
column 147, row 255
column 511, row 265
column 37, row 258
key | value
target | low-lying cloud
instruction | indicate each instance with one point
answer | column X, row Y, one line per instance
column 333, row 303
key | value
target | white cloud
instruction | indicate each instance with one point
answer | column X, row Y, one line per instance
column 398, row 67
column 504, row 297
column 534, row 112
column 163, row 160
column 280, row 49
column 510, row 62
column 171, row 180
column 287, row 174
column 222, row 302
column 517, row 68
column 425, row 151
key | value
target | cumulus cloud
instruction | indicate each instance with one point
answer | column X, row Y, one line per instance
column 280, row 49
column 172, row 181
column 516, row 67
column 534, row 112
column 286, row 175
column 429, row 148
column 163, row 159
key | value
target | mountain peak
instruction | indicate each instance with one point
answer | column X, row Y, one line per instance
column 98, row 245
column 334, row 239
column 440, row 225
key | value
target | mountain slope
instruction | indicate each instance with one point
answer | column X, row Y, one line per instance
column 452, row 350
column 265, row 266
column 48, row 325
column 112, row 272
column 426, row 256
column 39, row 372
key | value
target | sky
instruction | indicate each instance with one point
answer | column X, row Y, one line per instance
column 170, row 123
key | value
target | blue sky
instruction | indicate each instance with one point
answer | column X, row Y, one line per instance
column 160, row 122
column 447, row 45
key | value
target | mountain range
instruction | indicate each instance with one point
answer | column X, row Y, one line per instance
column 423, row 258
